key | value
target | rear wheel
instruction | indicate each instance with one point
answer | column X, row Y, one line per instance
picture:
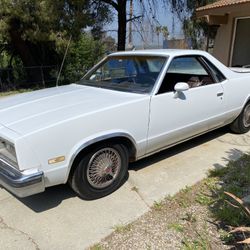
column 100, row 172
column 241, row 124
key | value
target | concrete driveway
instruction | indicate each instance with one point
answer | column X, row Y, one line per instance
column 57, row 219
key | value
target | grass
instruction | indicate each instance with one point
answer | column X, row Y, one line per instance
column 96, row 247
column 201, row 243
column 235, row 178
column 177, row 227
column 190, row 217
column 121, row 228
column 203, row 199
column 226, row 236
column 158, row 205
column 183, row 197
column 8, row 93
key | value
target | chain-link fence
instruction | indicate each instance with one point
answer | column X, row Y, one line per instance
column 28, row 77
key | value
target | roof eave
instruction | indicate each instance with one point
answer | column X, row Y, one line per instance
column 220, row 10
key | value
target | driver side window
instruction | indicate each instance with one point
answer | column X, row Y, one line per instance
column 187, row 69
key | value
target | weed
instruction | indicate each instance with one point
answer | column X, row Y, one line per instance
column 226, row 236
column 134, row 188
column 218, row 172
column 211, row 183
column 183, row 198
column 183, row 203
column 190, row 217
column 177, row 227
column 158, row 205
column 169, row 198
column 96, row 247
column 203, row 199
column 186, row 190
column 200, row 243
column 122, row 228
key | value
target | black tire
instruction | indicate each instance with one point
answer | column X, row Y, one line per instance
column 241, row 124
column 83, row 181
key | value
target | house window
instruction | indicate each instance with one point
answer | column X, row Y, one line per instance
column 241, row 45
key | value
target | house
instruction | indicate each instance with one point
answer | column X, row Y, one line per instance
column 232, row 42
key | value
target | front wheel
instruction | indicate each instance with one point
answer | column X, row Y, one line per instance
column 241, row 124
column 100, row 172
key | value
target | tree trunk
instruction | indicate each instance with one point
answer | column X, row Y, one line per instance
column 122, row 24
column 208, row 38
column 25, row 53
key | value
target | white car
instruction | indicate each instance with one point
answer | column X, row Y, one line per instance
column 129, row 106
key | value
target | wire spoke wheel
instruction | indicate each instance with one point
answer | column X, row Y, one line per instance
column 100, row 171
column 103, row 168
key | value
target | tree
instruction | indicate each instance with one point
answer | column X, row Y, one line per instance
column 37, row 31
column 165, row 32
column 109, row 44
column 158, row 30
column 185, row 10
column 82, row 55
column 193, row 27
column 161, row 30
column 120, row 6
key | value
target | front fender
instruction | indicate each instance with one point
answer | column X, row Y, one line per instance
column 246, row 101
column 86, row 142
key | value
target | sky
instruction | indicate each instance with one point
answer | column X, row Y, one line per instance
column 143, row 34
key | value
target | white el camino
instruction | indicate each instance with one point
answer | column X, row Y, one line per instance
column 129, row 106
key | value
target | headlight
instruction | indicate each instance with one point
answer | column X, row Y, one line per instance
column 8, row 152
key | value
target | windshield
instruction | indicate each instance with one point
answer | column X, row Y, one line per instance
column 136, row 74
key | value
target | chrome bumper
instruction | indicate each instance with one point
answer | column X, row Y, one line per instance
column 19, row 183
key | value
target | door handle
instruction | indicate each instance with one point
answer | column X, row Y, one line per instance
column 220, row 94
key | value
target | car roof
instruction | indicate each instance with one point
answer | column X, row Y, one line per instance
column 159, row 52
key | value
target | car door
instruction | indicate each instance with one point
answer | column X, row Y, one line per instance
column 177, row 116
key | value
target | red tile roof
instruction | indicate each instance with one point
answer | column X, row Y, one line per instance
column 222, row 3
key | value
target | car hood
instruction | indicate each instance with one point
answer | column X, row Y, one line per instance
column 29, row 112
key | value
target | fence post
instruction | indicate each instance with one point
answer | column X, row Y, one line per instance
column 1, row 83
column 41, row 69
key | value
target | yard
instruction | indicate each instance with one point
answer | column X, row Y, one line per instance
column 198, row 217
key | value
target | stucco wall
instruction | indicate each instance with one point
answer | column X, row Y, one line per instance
column 224, row 37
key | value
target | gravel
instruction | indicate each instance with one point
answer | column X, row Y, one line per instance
column 176, row 223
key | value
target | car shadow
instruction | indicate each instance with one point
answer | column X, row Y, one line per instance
column 54, row 196
column 51, row 198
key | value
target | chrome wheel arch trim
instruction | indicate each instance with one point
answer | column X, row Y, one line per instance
column 247, row 100
column 100, row 139
column 246, row 115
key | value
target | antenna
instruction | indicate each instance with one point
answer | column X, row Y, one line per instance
column 65, row 54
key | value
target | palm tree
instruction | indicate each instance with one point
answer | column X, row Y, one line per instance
column 164, row 31
column 158, row 30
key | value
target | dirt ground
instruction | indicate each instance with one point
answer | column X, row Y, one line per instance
column 198, row 217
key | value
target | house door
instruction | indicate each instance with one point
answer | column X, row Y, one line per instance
column 241, row 47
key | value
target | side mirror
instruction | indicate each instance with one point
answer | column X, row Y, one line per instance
column 181, row 86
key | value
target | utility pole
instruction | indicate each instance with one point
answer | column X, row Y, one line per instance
column 130, row 44
column 173, row 28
